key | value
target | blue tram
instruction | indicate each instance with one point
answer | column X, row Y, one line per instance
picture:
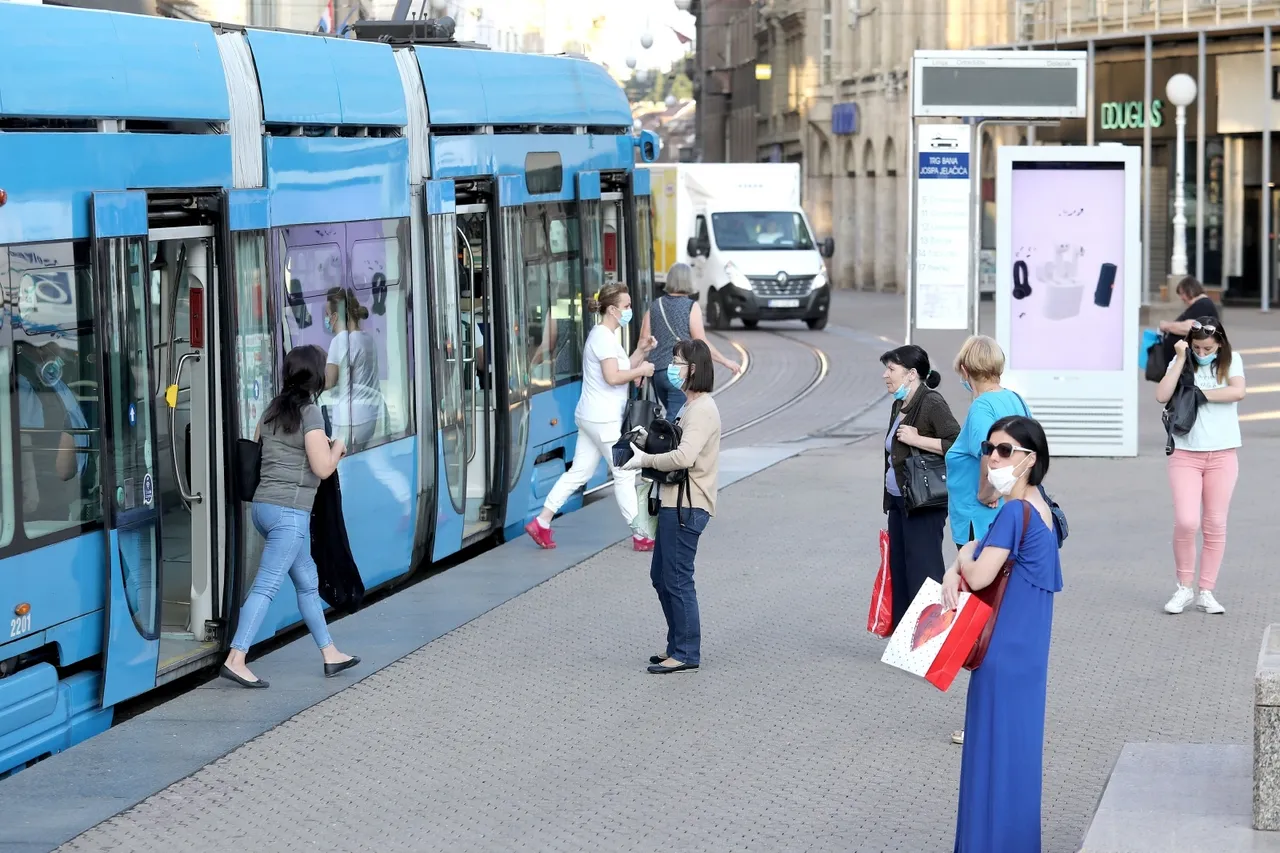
column 182, row 203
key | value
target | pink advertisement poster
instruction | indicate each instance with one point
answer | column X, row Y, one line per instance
column 1068, row 269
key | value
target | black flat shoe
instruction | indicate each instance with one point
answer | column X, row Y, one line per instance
column 658, row 658
column 332, row 669
column 659, row 669
column 226, row 673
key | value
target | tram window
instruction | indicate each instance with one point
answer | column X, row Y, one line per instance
column 348, row 298
column 553, row 291
column 543, row 172
column 49, row 291
column 253, row 331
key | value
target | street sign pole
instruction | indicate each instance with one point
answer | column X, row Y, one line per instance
column 955, row 95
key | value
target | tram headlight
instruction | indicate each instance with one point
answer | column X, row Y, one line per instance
column 736, row 276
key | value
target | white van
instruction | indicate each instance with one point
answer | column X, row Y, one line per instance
column 740, row 226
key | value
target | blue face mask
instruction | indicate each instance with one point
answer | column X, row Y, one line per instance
column 626, row 317
column 964, row 383
column 674, row 377
column 901, row 393
column 328, row 324
column 1205, row 360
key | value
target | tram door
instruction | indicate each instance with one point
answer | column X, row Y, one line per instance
column 479, row 346
column 459, row 236
column 154, row 462
column 183, row 285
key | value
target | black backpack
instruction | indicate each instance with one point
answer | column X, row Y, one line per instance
column 663, row 437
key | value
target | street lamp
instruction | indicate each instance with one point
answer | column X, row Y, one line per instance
column 683, row 5
column 631, row 62
column 1181, row 91
column 646, row 41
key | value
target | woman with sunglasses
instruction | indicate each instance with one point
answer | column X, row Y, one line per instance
column 1003, row 754
column 920, row 421
column 1203, row 467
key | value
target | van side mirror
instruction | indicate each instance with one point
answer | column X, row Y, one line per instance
column 696, row 249
column 827, row 248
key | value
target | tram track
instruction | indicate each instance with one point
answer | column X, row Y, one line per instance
column 821, row 370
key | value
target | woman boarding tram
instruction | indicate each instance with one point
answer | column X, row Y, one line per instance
column 676, row 317
column 606, row 372
column 296, row 456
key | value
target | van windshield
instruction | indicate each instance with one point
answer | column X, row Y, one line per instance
column 761, row 230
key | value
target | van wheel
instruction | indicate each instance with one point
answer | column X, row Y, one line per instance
column 817, row 323
column 716, row 317
column 750, row 324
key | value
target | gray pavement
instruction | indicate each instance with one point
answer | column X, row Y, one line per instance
column 535, row 727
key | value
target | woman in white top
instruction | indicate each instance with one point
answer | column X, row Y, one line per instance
column 352, row 370
column 606, row 372
column 1203, row 467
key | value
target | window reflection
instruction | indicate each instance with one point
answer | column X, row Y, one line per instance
column 345, row 294
column 48, row 296
column 553, row 294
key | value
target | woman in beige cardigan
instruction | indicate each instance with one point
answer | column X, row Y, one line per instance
column 681, row 522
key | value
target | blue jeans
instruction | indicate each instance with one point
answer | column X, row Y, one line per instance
column 287, row 549
column 671, row 398
column 672, row 575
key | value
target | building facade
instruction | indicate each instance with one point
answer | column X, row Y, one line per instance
column 834, row 96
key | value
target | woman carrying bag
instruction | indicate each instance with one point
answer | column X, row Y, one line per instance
column 921, row 431
column 1001, row 770
column 295, row 455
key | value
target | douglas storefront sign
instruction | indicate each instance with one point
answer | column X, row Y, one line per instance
column 1128, row 115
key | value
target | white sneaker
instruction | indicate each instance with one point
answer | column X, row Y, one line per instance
column 1180, row 600
column 1208, row 603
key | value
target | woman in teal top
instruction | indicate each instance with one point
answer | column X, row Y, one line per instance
column 972, row 503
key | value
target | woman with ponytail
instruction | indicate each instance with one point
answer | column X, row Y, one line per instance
column 921, row 421
column 351, row 370
column 296, row 456
column 607, row 370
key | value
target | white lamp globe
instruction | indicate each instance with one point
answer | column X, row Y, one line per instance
column 646, row 41
column 636, row 125
column 671, row 101
column 683, row 5
column 1181, row 90
column 631, row 62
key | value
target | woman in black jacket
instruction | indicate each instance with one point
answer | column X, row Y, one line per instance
column 920, row 420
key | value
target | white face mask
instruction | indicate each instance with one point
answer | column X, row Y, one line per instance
column 1004, row 479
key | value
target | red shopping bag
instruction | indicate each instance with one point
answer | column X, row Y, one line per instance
column 880, row 616
column 968, row 624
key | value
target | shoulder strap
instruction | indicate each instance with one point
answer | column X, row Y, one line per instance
column 1026, row 410
column 1026, row 522
column 662, row 309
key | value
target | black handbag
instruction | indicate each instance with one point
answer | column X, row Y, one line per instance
column 1180, row 412
column 642, row 411
column 248, row 468
column 926, row 483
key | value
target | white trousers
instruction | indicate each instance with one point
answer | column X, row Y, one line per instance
column 595, row 442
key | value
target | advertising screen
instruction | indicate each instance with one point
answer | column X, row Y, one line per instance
column 1067, row 224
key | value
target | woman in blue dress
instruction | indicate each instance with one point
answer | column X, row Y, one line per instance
column 1001, row 768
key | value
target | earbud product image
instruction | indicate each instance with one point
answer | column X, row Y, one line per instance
column 1021, row 280
column 1106, row 286
column 1062, row 290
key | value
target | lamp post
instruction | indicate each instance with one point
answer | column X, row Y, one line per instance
column 1181, row 91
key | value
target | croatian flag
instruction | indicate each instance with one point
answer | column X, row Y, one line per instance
column 326, row 19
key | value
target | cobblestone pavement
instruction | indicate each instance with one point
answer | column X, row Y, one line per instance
column 535, row 727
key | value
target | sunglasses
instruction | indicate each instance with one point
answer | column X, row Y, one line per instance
column 1197, row 326
column 1004, row 449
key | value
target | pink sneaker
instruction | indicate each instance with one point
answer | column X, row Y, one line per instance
column 541, row 535
column 640, row 543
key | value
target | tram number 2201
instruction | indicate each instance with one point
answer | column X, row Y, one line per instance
column 19, row 625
